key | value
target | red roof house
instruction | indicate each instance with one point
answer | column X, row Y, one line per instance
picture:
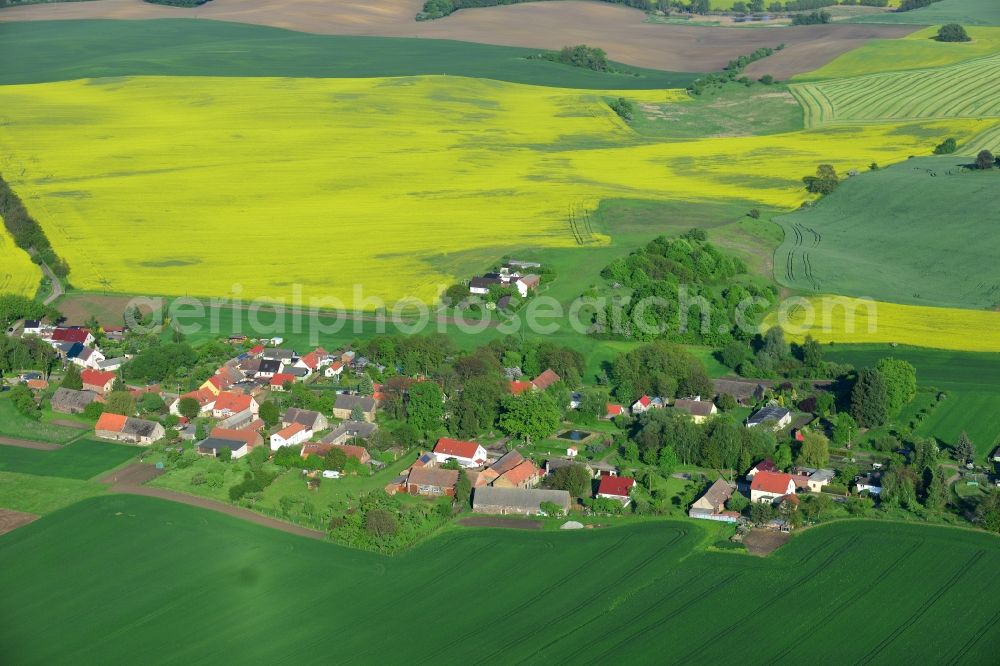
column 97, row 381
column 546, row 379
column 616, row 487
column 517, row 388
column 769, row 486
column 614, row 410
column 109, row 422
column 278, row 381
column 468, row 454
column 80, row 335
column 229, row 403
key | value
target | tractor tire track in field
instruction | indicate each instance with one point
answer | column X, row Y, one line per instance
column 923, row 608
column 959, row 657
column 796, row 641
column 532, row 599
column 767, row 603
column 703, row 595
column 622, row 577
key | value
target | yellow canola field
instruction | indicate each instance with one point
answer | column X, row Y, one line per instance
column 852, row 320
column 220, row 186
column 18, row 274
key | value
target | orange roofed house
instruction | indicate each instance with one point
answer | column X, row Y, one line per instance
column 127, row 429
column 468, row 454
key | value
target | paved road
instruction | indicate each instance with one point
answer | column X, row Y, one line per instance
column 129, row 481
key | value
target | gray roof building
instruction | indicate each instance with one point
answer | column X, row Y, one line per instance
column 69, row 401
column 518, row 501
column 349, row 402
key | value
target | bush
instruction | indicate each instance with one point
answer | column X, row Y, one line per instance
column 623, row 108
column 946, row 147
column 952, row 32
column 812, row 18
column 985, row 160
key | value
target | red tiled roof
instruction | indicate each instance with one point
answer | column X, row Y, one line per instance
column 336, row 365
column 453, row 447
column 285, row 433
column 546, row 379
column 645, row 401
column 256, row 349
column 70, row 335
column 110, row 422
column 517, row 388
column 203, row 396
column 358, row 452
column 766, row 465
column 521, row 472
column 282, row 377
column 615, row 410
column 219, row 382
column 242, row 435
column 97, row 377
column 615, row 485
column 234, row 402
column 311, row 360
column 775, row 483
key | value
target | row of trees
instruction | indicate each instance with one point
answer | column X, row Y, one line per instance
column 27, row 233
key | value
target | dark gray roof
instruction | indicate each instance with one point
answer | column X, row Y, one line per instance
column 297, row 372
column 718, row 493
column 489, row 497
column 270, row 366
column 483, row 283
column 139, row 427
column 695, row 407
column 279, row 354
column 69, row 398
column 216, row 443
column 346, row 401
column 507, row 462
column 306, row 417
column 769, row 413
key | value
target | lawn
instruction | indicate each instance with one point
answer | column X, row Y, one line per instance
column 964, row 90
column 43, row 51
column 83, row 459
column 879, row 235
column 14, row 424
column 480, row 167
column 657, row 593
column 43, row 494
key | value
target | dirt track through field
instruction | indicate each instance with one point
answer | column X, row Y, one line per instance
column 28, row 444
column 619, row 30
column 10, row 520
column 129, row 481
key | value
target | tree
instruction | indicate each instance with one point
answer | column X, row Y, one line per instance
column 899, row 487
column 190, row 409
column 734, row 354
column 925, row 453
column 952, row 32
column 424, row 406
column 985, row 160
column 357, row 413
column 946, row 147
column 151, row 403
column 24, row 402
column 575, row 479
column 845, row 428
column 965, row 451
column 623, row 108
column 632, row 452
column 225, row 454
column 726, row 402
column 988, row 511
column 94, row 410
column 366, row 386
column 335, row 459
column 120, row 402
column 551, row 509
column 737, row 502
column 269, row 413
column 667, row 461
column 531, row 415
column 783, row 456
column 937, row 492
column 900, row 382
column 824, row 182
column 870, row 399
column 463, row 488
column 815, row 449
column 812, row 353
column 72, row 379
column 380, row 524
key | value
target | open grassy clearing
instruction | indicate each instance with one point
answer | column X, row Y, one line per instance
column 14, row 424
column 968, row 12
column 880, row 236
column 972, row 381
column 620, row 31
column 83, row 459
column 54, row 51
column 656, row 593
column 916, row 51
column 43, row 494
column 497, row 164
column 18, row 274
column 840, row 319
column 965, row 90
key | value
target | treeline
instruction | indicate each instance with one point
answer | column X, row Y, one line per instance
column 14, row 307
column 682, row 289
column 178, row 3
column 435, row 9
column 733, row 70
column 26, row 231
column 909, row 5
column 581, row 55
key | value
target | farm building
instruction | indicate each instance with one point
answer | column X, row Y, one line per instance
column 98, row 381
column 348, row 430
column 517, row 501
column 712, row 505
column 431, row 481
column 290, row 436
column 523, row 475
column 251, row 436
column 74, row 334
column 346, row 403
column 770, row 486
column 745, row 392
column 468, row 454
column 69, row 401
column 310, row 419
column 546, row 379
column 616, row 488
column 213, row 445
column 780, row 416
column 128, row 429
column 359, row 453
column 698, row 409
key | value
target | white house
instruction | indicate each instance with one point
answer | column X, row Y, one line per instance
column 527, row 283
column 572, row 451
column 290, row 436
column 871, row 482
column 645, row 403
column 781, row 417
column 231, row 403
column 468, row 454
column 335, row 369
column 769, row 486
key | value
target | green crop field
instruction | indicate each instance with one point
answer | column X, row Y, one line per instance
column 43, row 51
column 972, row 381
column 964, row 90
column 918, row 232
column 238, row 592
column 83, row 459
column 968, row 12
column 43, row 494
